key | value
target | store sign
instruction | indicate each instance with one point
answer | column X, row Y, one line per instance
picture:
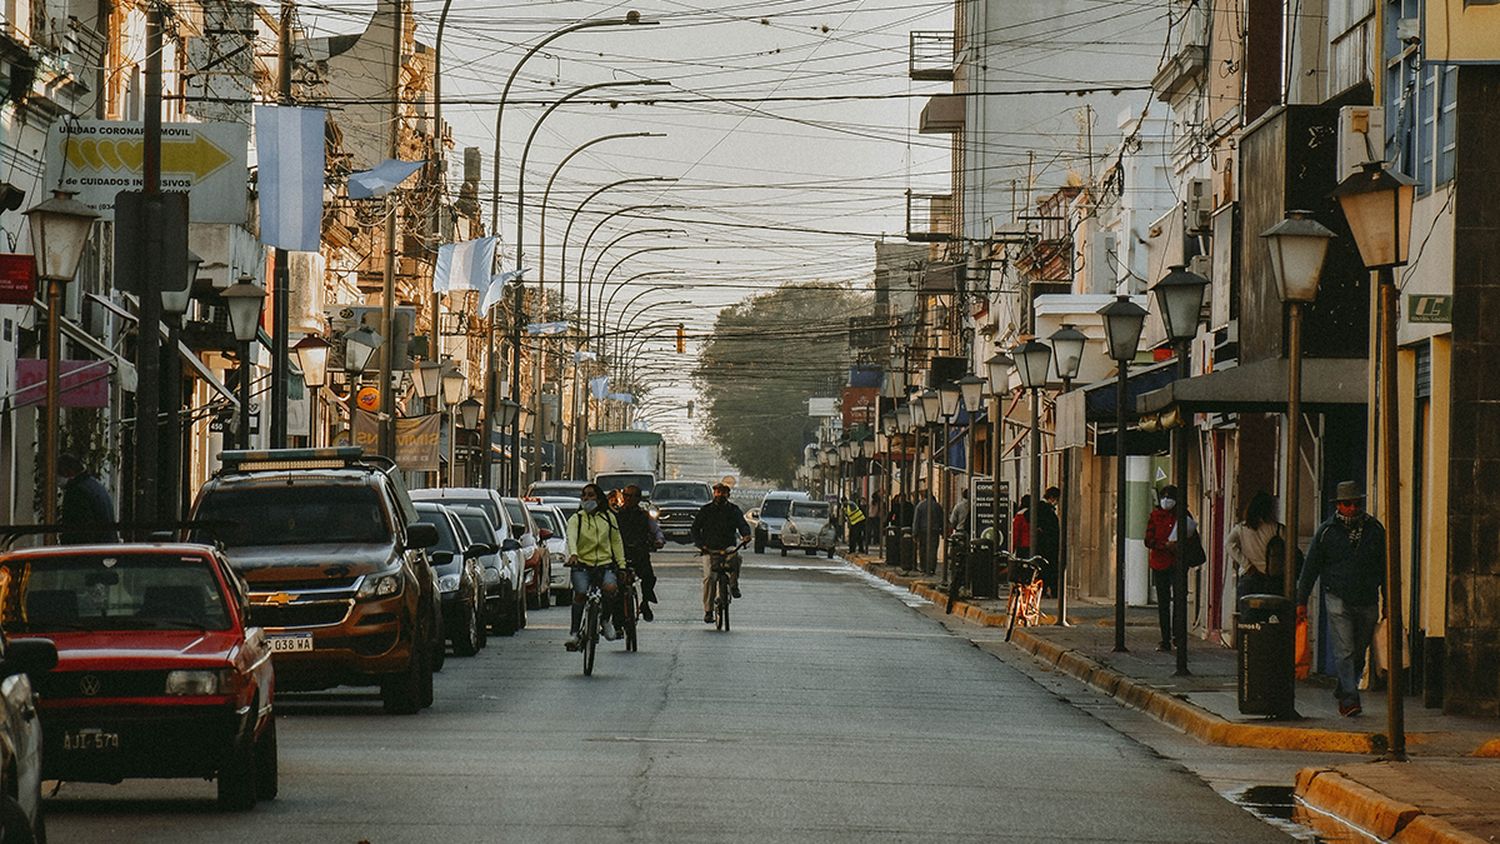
column 368, row 399
column 992, row 509
column 418, row 439
column 81, row 383
column 1429, row 308
column 17, row 279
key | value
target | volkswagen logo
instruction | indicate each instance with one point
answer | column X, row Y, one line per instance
column 89, row 684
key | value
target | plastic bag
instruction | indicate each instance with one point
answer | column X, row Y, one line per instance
column 1304, row 648
column 1380, row 649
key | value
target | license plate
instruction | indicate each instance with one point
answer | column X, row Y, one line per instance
column 90, row 740
column 292, row 643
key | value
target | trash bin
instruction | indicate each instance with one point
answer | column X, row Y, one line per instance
column 1265, row 633
column 982, row 569
column 892, row 545
column 908, row 550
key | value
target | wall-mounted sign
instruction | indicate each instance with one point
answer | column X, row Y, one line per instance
column 1429, row 308
column 81, row 383
column 17, row 279
column 368, row 399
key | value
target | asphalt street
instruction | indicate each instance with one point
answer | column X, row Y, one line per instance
column 833, row 711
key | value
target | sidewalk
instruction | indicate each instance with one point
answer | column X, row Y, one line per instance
column 1449, row 791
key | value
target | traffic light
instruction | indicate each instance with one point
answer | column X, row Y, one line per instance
column 681, row 338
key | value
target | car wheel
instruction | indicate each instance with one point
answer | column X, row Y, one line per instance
column 479, row 622
column 438, row 656
column 266, row 773
column 237, row 780
column 509, row 618
column 401, row 693
column 466, row 643
column 426, row 683
column 14, row 826
column 521, row 607
column 783, row 552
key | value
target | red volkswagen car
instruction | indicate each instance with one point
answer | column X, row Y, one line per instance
column 158, row 674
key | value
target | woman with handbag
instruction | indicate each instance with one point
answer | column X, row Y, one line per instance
column 1253, row 543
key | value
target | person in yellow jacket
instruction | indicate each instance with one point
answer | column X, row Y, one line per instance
column 854, row 517
column 595, row 550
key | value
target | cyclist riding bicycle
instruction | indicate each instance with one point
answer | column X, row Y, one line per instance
column 719, row 525
column 641, row 535
column 595, row 550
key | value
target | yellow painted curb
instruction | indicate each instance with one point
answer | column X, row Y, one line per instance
column 1330, row 791
column 1490, row 749
column 1427, row 829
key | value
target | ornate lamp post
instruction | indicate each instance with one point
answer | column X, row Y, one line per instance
column 174, row 303
column 1032, row 360
column 1179, row 297
column 359, row 347
column 997, row 375
column 932, row 407
column 949, row 396
column 1068, row 344
column 245, row 300
column 1378, row 205
column 1123, row 320
column 312, row 359
column 59, row 231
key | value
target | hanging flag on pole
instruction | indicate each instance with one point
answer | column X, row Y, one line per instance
column 496, row 290
column 546, row 328
column 623, row 398
column 371, row 184
column 289, row 146
column 599, row 387
column 464, row 266
column 580, row 357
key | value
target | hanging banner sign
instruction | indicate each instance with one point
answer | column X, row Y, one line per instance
column 17, row 279
column 81, row 383
column 418, row 439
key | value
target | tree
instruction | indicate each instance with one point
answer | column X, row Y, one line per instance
column 766, row 357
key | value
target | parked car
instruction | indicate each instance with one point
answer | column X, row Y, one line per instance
column 808, row 526
column 455, row 558
column 23, row 662
column 488, row 500
column 538, row 568
column 552, row 490
column 771, row 515
column 335, row 558
column 677, row 503
column 160, row 670
column 503, row 579
column 553, row 530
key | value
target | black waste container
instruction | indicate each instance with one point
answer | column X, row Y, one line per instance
column 982, row 569
column 1266, row 637
column 892, row 545
column 908, row 550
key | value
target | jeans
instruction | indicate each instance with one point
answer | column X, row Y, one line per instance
column 927, row 548
column 1165, row 582
column 708, row 579
column 584, row 579
column 1351, row 628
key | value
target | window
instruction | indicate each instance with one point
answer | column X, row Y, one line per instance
column 1420, row 104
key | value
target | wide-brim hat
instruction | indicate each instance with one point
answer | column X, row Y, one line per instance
column 1349, row 491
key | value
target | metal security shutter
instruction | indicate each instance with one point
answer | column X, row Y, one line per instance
column 1424, row 370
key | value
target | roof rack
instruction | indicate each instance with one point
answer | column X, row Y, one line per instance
column 282, row 459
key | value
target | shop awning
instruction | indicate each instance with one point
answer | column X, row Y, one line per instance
column 1261, row 387
column 187, row 354
column 1099, row 397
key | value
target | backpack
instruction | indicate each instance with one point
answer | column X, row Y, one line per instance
column 1276, row 556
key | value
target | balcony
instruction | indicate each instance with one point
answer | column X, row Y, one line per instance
column 943, row 115
column 932, row 57
column 933, row 214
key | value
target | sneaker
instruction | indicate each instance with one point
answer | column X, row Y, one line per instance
column 1164, row 647
column 735, row 591
column 609, row 632
column 708, row 617
column 1349, row 709
column 574, row 642
column 646, row 613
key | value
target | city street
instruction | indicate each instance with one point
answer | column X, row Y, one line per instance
column 832, row 711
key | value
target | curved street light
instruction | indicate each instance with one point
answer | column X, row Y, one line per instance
column 541, row 268
column 583, row 304
column 568, row 232
column 590, row 291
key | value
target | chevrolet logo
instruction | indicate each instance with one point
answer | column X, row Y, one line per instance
column 280, row 599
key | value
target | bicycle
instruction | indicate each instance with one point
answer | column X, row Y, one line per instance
column 629, row 608
column 1025, row 604
column 720, row 595
column 958, row 571
column 589, row 631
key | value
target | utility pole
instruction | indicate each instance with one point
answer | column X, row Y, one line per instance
column 148, row 287
column 388, row 288
column 281, row 298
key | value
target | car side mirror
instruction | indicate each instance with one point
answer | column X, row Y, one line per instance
column 476, row 550
column 488, row 548
column 421, row 535
column 32, row 657
column 544, row 534
column 518, row 531
column 510, row 545
column 440, row 558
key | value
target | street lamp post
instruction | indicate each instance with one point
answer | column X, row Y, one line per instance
column 1179, row 298
column 1068, row 344
column 931, row 411
column 1123, row 321
column 997, row 373
column 245, row 300
column 174, row 303
column 949, row 395
column 1032, row 359
column 359, row 347
column 1378, row 205
column 59, row 232
column 312, row 359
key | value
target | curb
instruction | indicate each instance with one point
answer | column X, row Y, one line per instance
column 1163, row 706
column 1335, row 793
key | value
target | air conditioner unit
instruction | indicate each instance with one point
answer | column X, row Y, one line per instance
column 1200, row 206
column 1201, row 265
column 1361, row 138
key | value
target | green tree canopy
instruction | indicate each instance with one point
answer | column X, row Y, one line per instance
column 766, row 357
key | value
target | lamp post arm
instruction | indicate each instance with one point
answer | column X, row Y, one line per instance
column 587, row 304
column 568, row 233
column 611, row 245
column 625, row 326
column 611, row 272
column 562, row 272
column 632, row 300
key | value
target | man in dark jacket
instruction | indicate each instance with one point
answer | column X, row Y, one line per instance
column 1348, row 554
column 927, row 528
column 86, row 505
column 640, row 535
column 1047, row 538
column 719, row 525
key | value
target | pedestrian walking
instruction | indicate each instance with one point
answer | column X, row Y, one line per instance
column 88, row 512
column 958, row 520
column 927, row 530
column 1249, row 545
column 1020, row 529
column 1348, row 554
column 1046, row 540
column 1161, row 539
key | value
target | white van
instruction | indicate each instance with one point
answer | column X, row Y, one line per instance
column 771, row 515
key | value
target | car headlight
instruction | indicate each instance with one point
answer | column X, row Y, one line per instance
column 379, row 585
column 449, row 582
column 654, row 512
column 196, row 682
column 491, row 574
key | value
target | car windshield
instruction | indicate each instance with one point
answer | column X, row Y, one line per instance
column 620, row 480
column 447, row 541
column 478, row 526
column 677, row 491
column 516, row 512
column 571, row 489
column 544, row 520
column 775, row 508
column 111, row 592
column 809, row 510
column 295, row 515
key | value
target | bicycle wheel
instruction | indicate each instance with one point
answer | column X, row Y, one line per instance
column 590, row 635
column 721, row 602
column 1012, row 609
column 629, row 611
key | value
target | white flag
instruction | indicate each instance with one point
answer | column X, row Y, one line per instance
column 496, row 291
column 464, row 265
column 546, row 328
column 289, row 145
column 381, row 179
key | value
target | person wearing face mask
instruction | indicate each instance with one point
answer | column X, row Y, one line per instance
column 718, row 525
column 1161, row 539
column 595, row 550
column 1348, row 554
